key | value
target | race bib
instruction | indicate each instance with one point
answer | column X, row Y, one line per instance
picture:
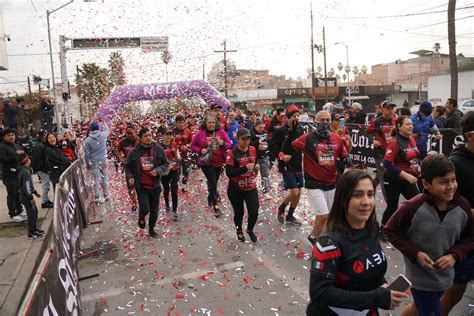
column 388, row 137
column 415, row 164
column 263, row 146
column 326, row 158
column 146, row 163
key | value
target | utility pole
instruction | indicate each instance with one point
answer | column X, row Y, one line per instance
column 225, row 51
column 313, row 97
column 29, row 90
column 79, row 93
column 325, row 72
column 203, row 71
column 65, row 81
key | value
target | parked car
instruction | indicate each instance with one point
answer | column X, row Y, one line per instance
column 467, row 106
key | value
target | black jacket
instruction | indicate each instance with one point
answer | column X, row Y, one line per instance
column 133, row 164
column 281, row 142
column 255, row 142
column 9, row 159
column 25, row 183
column 463, row 160
column 57, row 162
column 39, row 162
column 454, row 119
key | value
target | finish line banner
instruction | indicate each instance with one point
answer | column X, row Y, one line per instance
column 56, row 290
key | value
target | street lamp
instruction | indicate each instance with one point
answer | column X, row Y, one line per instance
column 48, row 13
column 347, row 69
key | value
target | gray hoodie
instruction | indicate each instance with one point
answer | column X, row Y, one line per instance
column 96, row 146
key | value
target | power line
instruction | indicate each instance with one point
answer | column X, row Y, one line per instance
column 395, row 16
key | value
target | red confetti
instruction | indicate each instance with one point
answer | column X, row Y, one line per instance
column 300, row 255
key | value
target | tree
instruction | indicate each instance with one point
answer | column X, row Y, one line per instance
column 331, row 72
column 166, row 58
column 363, row 69
column 344, row 77
column 93, row 84
column 355, row 70
column 453, row 62
column 116, row 72
column 340, row 66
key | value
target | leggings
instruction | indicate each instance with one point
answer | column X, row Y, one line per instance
column 393, row 188
column 237, row 198
column 427, row 303
column 212, row 175
column 170, row 182
column 31, row 212
column 264, row 163
column 185, row 170
column 148, row 200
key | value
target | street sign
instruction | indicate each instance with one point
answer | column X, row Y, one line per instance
column 105, row 43
column 154, row 44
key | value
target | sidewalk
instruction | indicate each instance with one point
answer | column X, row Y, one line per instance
column 18, row 255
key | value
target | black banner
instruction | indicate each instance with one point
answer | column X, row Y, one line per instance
column 57, row 291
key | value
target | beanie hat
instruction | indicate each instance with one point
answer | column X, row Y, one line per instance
column 292, row 110
column 94, row 126
column 426, row 107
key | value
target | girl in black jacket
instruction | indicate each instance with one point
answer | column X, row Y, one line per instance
column 57, row 161
column 348, row 265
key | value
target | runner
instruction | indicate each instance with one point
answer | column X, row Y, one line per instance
column 182, row 139
column 146, row 163
column 211, row 144
column 289, row 164
column 259, row 140
column 170, row 181
column 123, row 148
column 321, row 150
column 241, row 168
column 339, row 282
column 402, row 163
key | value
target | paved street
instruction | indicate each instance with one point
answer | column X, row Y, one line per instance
column 197, row 267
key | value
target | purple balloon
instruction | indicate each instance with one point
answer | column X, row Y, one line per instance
column 160, row 91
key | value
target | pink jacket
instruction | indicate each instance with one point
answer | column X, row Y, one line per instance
column 199, row 142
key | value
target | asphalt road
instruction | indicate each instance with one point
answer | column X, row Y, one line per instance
column 197, row 267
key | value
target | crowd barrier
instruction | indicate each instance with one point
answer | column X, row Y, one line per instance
column 55, row 288
column 362, row 152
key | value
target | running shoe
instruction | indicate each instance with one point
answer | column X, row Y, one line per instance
column 217, row 213
column 18, row 219
column 35, row 236
column 39, row 231
column 168, row 209
column 175, row 216
column 293, row 220
column 134, row 208
column 252, row 235
column 281, row 215
column 240, row 236
column 141, row 222
column 153, row 234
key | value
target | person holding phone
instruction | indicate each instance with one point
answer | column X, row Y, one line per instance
column 348, row 264
column 338, row 126
column 433, row 231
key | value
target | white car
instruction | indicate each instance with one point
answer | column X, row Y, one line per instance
column 467, row 106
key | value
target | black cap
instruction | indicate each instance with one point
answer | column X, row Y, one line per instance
column 243, row 132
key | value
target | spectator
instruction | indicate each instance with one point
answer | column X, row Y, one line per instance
column 304, row 117
column 406, row 105
column 232, row 127
column 423, row 125
column 438, row 116
column 27, row 193
column 9, row 158
column 55, row 158
column 357, row 116
column 47, row 109
column 40, row 165
column 11, row 114
column 67, row 150
column 453, row 115
column 251, row 120
column 259, row 140
column 95, row 150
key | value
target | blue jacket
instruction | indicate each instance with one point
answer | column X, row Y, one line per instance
column 231, row 129
column 423, row 126
column 96, row 146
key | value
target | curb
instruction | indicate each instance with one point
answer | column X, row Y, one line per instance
column 28, row 269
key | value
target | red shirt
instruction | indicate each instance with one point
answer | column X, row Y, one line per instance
column 181, row 138
column 238, row 159
column 403, row 153
column 125, row 145
column 171, row 155
column 217, row 159
column 146, row 166
column 319, row 160
column 381, row 128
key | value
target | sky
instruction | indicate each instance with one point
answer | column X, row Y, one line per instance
column 267, row 34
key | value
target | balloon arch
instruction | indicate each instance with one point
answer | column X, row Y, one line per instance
column 160, row 91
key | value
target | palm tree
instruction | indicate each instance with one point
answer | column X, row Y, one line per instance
column 363, row 69
column 116, row 72
column 331, row 72
column 340, row 66
column 355, row 70
column 453, row 63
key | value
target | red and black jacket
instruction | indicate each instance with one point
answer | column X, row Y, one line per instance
column 240, row 178
column 181, row 138
column 381, row 128
column 402, row 155
column 171, row 152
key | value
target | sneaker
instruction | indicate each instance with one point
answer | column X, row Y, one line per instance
column 141, row 222
column 217, row 213
column 39, row 231
column 252, row 235
column 134, row 208
column 293, row 220
column 153, row 234
column 101, row 200
column 106, row 198
column 18, row 219
column 34, row 236
column 240, row 236
column 24, row 215
column 312, row 240
column 281, row 215
column 175, row 216
column 168, row 209
column 48, row 204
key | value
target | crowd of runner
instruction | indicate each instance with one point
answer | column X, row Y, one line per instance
column 433, row 229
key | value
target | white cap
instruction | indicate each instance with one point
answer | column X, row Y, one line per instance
column 357, row 105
